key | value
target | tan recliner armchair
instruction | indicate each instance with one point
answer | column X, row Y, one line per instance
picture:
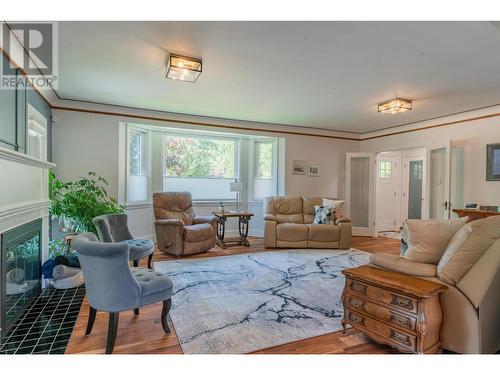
column 288, row 222
column 178, row 230
column 471, row 304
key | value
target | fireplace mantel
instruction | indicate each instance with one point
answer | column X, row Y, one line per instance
column 19, row 157
column 24, row 195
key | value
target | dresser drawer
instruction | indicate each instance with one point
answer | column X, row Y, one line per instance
column 400, row 338
column 382, row 313
column 382, row 295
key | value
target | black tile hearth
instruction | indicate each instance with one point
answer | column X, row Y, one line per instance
column 46, row 325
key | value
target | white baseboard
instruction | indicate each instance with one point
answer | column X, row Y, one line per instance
column 147, row 237
column 229, row 233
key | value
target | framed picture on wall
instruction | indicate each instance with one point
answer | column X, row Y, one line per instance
column 299, row 167
column 493, row 162
column 314, row 170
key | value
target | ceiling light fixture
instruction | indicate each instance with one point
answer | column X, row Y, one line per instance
column 183, row 68
column 396, row 105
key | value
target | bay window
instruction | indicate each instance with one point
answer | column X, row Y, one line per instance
column 138, row 165
column 265, row 165
column 202, row 165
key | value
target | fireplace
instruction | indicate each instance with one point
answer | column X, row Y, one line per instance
column 20, row 265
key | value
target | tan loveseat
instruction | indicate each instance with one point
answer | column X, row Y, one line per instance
column 288, row 222
column 470, row 268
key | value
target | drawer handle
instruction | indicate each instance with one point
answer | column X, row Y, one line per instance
column 356, row 319
column 356, row 302
column 403, row 339
column 358, row 288
column 401, row 320
column 402, row 302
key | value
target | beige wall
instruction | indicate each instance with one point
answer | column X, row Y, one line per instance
column 473, row 136
column 91, row 142
column 86, row 141
column 328, row 154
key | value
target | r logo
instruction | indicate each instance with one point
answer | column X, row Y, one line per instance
column 38, row 41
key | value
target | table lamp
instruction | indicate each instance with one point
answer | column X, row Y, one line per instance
column 238, row 188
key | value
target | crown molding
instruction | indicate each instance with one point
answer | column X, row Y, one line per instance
column 163, row 116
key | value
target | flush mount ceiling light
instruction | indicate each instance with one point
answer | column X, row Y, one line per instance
column 396, row 105
column 183, row 68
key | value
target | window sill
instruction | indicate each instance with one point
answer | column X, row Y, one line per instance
column 215, row 202
column 138, row 205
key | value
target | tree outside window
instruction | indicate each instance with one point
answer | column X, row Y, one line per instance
column 135, row 153
column 199, row 157
column 264, row 160
column 385, row 169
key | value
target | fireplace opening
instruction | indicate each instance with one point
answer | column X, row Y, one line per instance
column 20, row 265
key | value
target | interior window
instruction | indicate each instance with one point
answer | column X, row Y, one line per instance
column 385, row 169
column 138, row 181
column 37, row 135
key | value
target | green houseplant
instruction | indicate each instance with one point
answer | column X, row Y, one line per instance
column 78, row 202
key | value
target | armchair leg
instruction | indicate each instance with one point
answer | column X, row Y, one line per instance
column 112, row 329
column 136, row 311
column 150, row 258
column 164, row 315
column 90, row 323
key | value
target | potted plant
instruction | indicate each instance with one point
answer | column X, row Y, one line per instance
column 76, row 203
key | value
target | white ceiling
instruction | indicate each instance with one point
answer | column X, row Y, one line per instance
column 317, row 74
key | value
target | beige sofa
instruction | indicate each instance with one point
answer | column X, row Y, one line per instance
column 288, row 222
column 471, row 304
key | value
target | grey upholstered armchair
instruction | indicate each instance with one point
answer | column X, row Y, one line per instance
column 178, row 230
column 114, row 228
column 113, row 286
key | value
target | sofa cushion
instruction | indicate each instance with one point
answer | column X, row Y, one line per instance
column 336, row 205
column 291, row 232
column 287, row 209
column 396, row 263
column 198, row 232
column 309, row 212
column 466, row 247
column 323, row 232
column 427, row 239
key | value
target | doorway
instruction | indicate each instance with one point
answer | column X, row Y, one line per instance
column 400, row 189
column 388, row 197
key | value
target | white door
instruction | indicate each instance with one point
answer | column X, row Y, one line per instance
column 388, row 192
column 439, row 180
column 414, row 188
column 360, row 192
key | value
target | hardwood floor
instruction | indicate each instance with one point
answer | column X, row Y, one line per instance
column 143, row 334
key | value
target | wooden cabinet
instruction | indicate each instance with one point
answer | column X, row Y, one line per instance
column 395, row 309
column 474, row 214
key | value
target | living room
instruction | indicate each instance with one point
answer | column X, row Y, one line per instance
column 226, row 185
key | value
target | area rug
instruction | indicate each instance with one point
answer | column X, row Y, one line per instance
column 243, row 303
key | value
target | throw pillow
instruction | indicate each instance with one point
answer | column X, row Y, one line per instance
column 322, row 215
column 335, row 204
column 427, row 239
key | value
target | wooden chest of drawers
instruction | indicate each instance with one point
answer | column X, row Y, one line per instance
column 395, row 309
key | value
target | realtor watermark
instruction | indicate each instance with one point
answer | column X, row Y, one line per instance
column 32, row 51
